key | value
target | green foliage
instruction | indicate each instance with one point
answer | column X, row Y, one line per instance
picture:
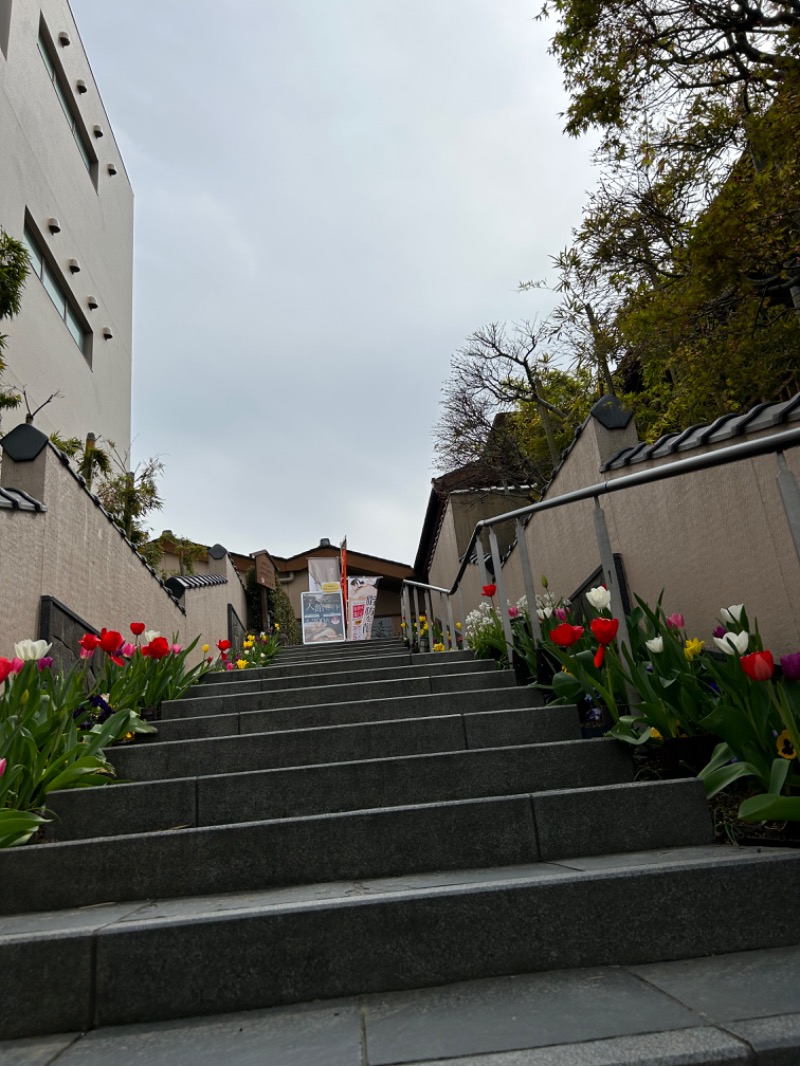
column 45, row 746
column 283, row 616
column 129, row 497
column 188, row 552
column 14, row 267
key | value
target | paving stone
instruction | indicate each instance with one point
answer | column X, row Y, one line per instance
column 305, row 1036
column 737, row 986
column 34, row 1050
column 775, row 1040
column 702, row 1046
column 515, row 1012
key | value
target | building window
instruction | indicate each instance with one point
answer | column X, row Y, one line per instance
column 58, row 292
column 47, row 52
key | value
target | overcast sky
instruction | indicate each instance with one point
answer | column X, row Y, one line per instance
column 330, row 196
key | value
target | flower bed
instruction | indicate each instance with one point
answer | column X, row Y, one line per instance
column 55, row 728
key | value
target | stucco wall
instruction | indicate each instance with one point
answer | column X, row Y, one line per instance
column 42, row 173
column 76, row 554
column 707, row 539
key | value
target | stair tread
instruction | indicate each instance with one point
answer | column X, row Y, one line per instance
column 101, row 917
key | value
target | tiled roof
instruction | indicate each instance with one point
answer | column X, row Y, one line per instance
column 195, row 581
column 762, row 417
column 17, row 500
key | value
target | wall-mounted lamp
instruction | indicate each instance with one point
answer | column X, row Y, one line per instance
column 54, row 225
column 97, row 131
column 74, row 266
column 91, row 303
column 80, row 86
column 64, row 39
column 107, row 333
column 112, row 170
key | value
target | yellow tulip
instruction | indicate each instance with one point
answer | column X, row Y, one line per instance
column 241, row 663
column 693, row 647
column 205, row 648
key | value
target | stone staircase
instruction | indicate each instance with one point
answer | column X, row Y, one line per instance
column 356, row 820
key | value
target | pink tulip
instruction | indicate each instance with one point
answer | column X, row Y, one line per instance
column 513, row 612
column 228, row 666
column 128, row 650
column 561, row 614
column 176, row 649
column 16, row 665
column 2, row 767
column 676, row 621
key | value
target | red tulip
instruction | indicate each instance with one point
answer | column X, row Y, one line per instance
column 5, row 669
column 566, row 635
column 489, row 590
column 89, row 642
column 758, row 666
column 110, row 641
column 223, row 645
column 137, row 628
column 157, row 648
column 604, row 629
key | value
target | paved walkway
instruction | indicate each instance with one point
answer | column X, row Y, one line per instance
column 732, row 1009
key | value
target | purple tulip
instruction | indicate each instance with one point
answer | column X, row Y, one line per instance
column 561, row 614
column 790, row 664
column 45, row 663
column 720, row 631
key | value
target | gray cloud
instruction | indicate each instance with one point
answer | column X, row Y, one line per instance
column 329, row 198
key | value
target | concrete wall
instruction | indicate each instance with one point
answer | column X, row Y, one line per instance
column 708, row 539
column 43, row 176
column 76, row 554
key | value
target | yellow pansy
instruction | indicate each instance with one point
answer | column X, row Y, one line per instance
column 438, row 647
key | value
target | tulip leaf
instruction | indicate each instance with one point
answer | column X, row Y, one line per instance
column 777, row 778
column 770, row 807
column 718, row 779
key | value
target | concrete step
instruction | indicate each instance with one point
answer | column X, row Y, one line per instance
column 291, row 668
column 325, row 714
column 358, row 672
column 129, row 963
column 422, row 685
column 342, row 650
column 736, row 1009
column 462, row 834
column 335, row 787
column 344, row 743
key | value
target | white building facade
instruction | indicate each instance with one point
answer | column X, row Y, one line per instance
column 65, row 193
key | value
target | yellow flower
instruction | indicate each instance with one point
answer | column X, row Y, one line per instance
column 438, row 647
column 277, row 626
column 785, row 746
column 402, row 625
column 241, row 663
column 458, row 625
column 205, row 648
column 422, row 618
column 654, row 733
column 692, row 648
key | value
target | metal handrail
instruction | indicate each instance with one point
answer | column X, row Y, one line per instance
column 774, row 443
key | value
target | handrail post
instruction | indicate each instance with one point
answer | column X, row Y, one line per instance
column 462, row 619
column 407, row 615
column 790, row 494
column 452, row 644
column 610, row 572
column 429, row 608
column 527, row 578
column 499, row 580
column 416, row 606
column 480, row 551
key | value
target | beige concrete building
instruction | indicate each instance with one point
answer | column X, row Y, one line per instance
column 65, row 193
column 705, row 540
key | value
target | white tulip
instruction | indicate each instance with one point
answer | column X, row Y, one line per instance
column 150, row 634
column 732, row 643
column 32, row 650
column 732, row 615
column 599, row 598
column 656, row 644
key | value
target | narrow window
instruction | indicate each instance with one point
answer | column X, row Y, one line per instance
column 5, row 25
column 59, row 82
column 58, row 291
